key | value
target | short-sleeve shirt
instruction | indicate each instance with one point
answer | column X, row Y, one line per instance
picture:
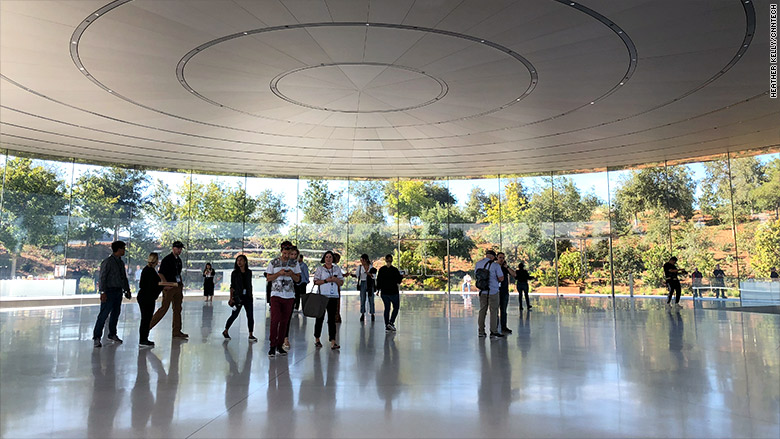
column 667, row 273
column 170, row 267
column 283, row 286
column 329, row 289
column 495, row 274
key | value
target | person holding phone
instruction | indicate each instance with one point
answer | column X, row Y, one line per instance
column 283, row 272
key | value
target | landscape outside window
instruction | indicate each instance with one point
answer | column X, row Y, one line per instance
column 589, row 232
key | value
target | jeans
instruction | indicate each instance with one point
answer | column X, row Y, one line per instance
column 113, row 306
column 332, row 311
column 281, row 309
column 395, row 300
column 170, row 295
column 503, row 303
column 249, row 308
column 365, row 294
column 487, row 301
column 146, row 305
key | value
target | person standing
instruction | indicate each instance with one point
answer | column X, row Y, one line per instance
column 170, row 272
column 208, row 282
column 113, row 282
column 300, row 287
column 503, row 294
column 466, row 287
column 241, row 296
column 774, row 275
column 149, row 289
column 388, row 281
column 696, row 282
column 672, row 282
column 522, row 276
column 719, row 282
column 329, row 278
column 365, row 279
column 283, row 272
column 489, row 276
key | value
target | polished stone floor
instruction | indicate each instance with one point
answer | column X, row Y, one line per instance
column 574, row 367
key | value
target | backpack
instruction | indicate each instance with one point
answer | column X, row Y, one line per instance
column 482, row 275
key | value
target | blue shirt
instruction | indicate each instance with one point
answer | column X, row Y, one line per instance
column 304, row 273
column 495, row 274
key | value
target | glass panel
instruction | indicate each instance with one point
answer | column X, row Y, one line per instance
column 106, row 200
column 34, row 225
column 582, row 232
column 640, row 224
column 272, row 221
column 322, row 216
column 474, row 227
column 756, row 184
column 525, row 216
column 372, row 230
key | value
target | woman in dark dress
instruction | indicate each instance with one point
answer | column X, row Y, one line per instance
column 522, row 284
column 241, row 296
column 208, row 283
column 149, row 290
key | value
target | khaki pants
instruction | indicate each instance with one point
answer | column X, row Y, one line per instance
column 488, row 301
column 170, row 295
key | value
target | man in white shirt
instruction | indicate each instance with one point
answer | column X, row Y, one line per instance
column 282, row 272
column 488, row 294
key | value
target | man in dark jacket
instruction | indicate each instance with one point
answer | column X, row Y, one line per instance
column 170, row 271
column 113, row 282
column 387, row 282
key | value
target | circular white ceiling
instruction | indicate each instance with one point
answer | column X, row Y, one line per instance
column 356, row 88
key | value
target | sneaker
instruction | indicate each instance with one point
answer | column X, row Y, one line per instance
column 97, row 343
column 482, row 335
column 146, row 344
column 373, row 318
column 181, row 335
column 115, row 339
column 252, row 338
column 506, row 331
column 362, row 318
column 272, row 352
column 388, row 328
column 392, row 327
column 496, row 335
column 281, row 351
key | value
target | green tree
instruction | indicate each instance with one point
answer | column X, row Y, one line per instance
column 767, row 194
column 660, row 189
column 368, row 203
column 766, row 252
column 476, row 206
column 34, row 198
column 414, row 197
column 318, row 204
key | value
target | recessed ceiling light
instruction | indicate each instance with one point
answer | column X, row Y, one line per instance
column 96, row 14
column 368, row 24
column 81, row 68
column 481, row 41
column 592, row 103
column 111, row 91
column 245, row 33
column 72, row 42
column 621, row 83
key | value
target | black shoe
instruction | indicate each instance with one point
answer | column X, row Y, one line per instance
column 253, row 339
column 388, row 328
column 115, row 339
column 272, row 352
column 506, row 331
column 146, row 344
column 521, row 308
column 482, row 335
column 362, row 317
column 225, row 334
column 529, row 306
column 392, row 327
column 96, row 343
column 496, row 335
column 280, row 351
column 373, row 318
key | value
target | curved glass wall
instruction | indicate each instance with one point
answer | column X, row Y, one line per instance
column 602, row 231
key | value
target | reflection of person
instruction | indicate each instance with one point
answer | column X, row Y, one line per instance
column 141, row 396
column 672, row 282
column 488, row 295
column 241, row 296
column 522, row 276
column 105, row 394
column 388, row 280
column 237, row 389
column 167, row 388
column 719, row 281
column 170, row 271
column 387, row 377
column 283, row 272
column 328, row 278
column 113, row 281
column 149, row 289
column 503, row 295
column 208, row 282
column 696, row 282
column 466, row 287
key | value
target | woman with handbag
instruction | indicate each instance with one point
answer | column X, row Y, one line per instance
column 328, row 278
column 241, row 296
column 365, row 279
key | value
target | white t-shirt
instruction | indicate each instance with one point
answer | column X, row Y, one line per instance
column 329, row 289
column 283, row 286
